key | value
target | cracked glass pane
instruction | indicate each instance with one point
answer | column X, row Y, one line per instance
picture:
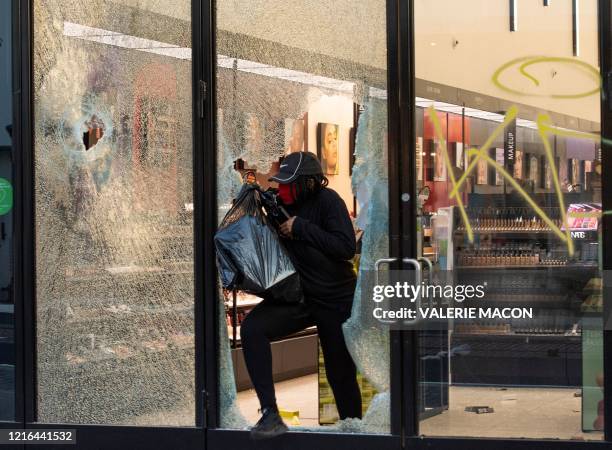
column 284, row 80
column 114, row 224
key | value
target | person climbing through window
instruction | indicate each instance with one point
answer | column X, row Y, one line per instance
column 320, row 239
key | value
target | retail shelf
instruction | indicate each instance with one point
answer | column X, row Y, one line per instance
column 305, row 332
column 532, row 266
column 105, row 314
column 82, row 364
column 512, row 335
column 245, row 302
column 589, row 234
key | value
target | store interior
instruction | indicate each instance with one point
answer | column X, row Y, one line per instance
column 494, row 378
column 507, row 366
column 115, row 217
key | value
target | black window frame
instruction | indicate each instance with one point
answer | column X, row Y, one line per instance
column 404, row 370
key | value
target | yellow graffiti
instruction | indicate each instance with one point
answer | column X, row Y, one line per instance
column 449, row 169
column 532, row 60
column 510, row 116
column 544, row 130
column 529, row 200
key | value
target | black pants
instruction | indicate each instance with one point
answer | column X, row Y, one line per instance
column 269, row 320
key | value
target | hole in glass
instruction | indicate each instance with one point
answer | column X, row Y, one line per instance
column 95, row 131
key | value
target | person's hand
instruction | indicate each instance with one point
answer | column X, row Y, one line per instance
column 286, row 227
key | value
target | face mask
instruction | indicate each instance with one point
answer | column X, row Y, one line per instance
column 286, row 194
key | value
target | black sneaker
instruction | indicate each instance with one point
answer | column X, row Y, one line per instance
column 270, row 425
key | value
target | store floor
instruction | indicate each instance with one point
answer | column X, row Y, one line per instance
column 519, row 412
column 299, row 394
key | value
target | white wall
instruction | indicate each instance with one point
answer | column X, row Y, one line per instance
column 334, row 109
column 485, row 43
column 355, row 31
column 348, row 29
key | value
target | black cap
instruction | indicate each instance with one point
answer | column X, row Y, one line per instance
column 296, row 164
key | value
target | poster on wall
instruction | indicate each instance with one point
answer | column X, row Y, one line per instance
column 574, row 167
column 439, row 164
column 459, row 155
column 534, row 169
column 482, row 172
column 518, row 165
column 419, row 158
column 546, row 176
column 352, row 139
column 499, row 159
column 327, row 147
column 563, row 174
column 294, row 135
column 587, row 169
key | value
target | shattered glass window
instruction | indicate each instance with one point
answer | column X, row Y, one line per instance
column 114, row 223
column 285, row 70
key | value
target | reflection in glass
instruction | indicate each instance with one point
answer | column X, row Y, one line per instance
column 113, row 213
column 534, row 208
column 278, row 71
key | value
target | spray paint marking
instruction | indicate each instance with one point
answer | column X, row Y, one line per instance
column 544, row 130
column 527, row 61
column 449, row 168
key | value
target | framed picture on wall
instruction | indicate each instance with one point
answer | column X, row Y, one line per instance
column 534, row 169
column 428, row 159
column 563, row 174
column 328, row 135
column 352, row 139
column 459, row 155
column 419, row 158
column 499, row 159
column 587, row 169
column 546, row 176
column 574, row 170
column 518, row 165
column 466, row 158
column 439, row 163
column 294, row 135
column 482, row 172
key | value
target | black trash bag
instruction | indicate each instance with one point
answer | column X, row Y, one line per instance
column 250, row 256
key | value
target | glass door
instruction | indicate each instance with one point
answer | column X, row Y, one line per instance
column 300, row 78
column 509, row 181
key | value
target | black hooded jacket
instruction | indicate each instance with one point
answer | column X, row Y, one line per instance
column 323, row 242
